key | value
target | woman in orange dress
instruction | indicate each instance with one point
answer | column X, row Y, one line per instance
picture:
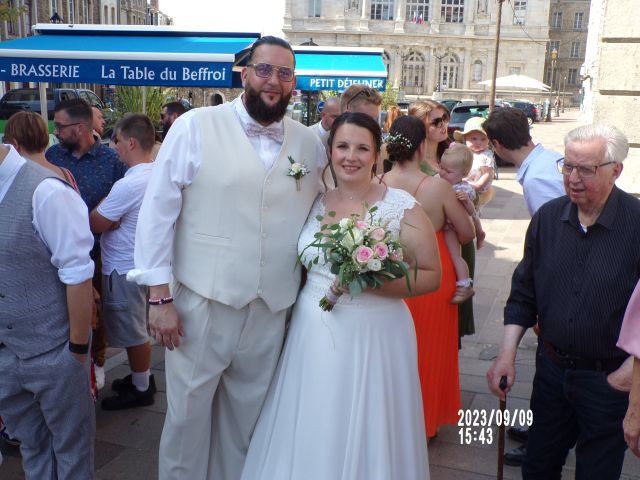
column 434, row 316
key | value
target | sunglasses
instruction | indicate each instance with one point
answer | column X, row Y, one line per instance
column 365, row 92
column 265, row 70
column 439, row 121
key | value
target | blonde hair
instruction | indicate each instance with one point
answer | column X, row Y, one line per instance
column 460, row 156
column 363, row 93
column 422, row 108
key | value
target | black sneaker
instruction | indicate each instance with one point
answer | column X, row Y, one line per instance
column 129, row 396
column 519, row 434
column 124, row 383
column 516, row 457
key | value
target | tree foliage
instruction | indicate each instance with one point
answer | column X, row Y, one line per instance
column 389, row 97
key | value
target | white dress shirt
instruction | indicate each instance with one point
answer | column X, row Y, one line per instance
column 176, row 167
column 123, row 204
column 61, row 220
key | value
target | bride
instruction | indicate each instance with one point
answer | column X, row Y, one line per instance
column 345, row 402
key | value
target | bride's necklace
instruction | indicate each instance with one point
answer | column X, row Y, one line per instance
column 354, row 196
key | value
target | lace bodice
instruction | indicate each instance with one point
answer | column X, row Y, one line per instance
column 391, row 208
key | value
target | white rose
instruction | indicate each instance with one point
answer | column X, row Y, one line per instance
column 296, row 168
column 374, row 265
column 352, row 238
column 345, row 223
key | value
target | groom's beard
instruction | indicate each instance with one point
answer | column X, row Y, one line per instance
column 260, row 111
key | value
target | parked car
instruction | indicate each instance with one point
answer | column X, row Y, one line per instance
column 449, row 103
column 461, row 113
column 529, row 109
column 28, row 99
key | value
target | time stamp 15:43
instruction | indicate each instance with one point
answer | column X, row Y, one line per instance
column 476, row 426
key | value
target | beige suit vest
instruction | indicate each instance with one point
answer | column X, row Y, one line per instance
column 237, row 233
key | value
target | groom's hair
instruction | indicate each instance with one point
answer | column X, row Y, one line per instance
column 271, row 40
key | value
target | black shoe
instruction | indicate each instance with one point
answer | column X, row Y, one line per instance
column 519, row 434
column 120, row 384
column 129, row 396
column 516, row 457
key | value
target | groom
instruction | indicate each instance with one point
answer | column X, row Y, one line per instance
column 221, row 177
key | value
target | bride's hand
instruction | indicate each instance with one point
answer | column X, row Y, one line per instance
column 339, row 288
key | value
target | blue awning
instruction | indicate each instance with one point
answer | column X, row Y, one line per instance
column 335, row 68
column 137, row 55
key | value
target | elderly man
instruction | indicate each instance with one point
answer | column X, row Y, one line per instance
column 329, row 113
column 222, row 216
column 579, row 269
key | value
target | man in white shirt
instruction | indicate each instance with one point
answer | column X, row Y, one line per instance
column 46, row 302
column 222, row 215
column 124, row 304
column 330, row 111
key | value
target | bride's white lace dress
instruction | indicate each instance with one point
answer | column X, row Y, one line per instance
column 345, row 400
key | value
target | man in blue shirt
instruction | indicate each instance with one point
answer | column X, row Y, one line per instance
column 96, row 168
column 508, row 132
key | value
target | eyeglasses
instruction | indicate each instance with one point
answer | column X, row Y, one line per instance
column 60, row 126
column 585, row 171
column 439, row 121
column 265, row 70
column 366, row 92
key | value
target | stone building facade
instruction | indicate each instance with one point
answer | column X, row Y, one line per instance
column 611, row 77
column 442, row 46
column 568, row 24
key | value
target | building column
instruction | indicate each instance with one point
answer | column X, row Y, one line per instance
column 365, row 10
column 287, row 15
column 466, row 68
column 398, row 16
column 397, row 69
column 469, row 16
column 434, row 19
column 433, row 71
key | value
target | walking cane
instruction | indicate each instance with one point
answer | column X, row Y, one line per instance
column 501, row 428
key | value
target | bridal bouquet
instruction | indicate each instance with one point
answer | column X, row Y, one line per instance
column 361, row 252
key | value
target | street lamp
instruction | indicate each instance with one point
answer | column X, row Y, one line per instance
column 554, row 55
column 439, row 82
column 564, row 87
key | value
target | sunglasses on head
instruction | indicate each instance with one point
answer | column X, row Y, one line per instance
column 365, row 92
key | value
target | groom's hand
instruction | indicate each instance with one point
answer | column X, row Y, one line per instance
column 165, row 325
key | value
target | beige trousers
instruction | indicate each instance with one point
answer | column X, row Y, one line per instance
column 217, row 380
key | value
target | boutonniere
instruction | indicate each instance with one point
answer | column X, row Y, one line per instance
column 297, row 171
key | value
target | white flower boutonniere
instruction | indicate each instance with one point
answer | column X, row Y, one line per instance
column 297, row 171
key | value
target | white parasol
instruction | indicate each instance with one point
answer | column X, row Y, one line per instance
column 518, row 82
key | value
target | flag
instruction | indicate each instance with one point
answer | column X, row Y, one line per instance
column 414, row 18
column 420, row 20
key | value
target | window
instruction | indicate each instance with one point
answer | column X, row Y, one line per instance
column 113, row 15
column 554, row 45
column 449, row 68
column 578, row 18
column 314, row 8
column 556, row 20
column 575, row 50
column 382, row 9
column 72, row 12
column 476, row 71
column 417, row 10
column 572, row 78
column 413, row 72
column 515, row 70
column 54, row 7
column 452, row 11
column 353, row 4
column 519, row 11
column 105, row 18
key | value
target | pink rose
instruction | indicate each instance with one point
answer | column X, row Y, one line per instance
column 381, row 250
column 377, row 234
column 363, row 254
column 396, row 255
column 361, row 224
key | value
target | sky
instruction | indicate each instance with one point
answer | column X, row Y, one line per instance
column 263, row 16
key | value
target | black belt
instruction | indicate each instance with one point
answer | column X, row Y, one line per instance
column 566, row 360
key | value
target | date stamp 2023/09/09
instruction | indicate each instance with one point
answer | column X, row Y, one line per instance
column 476, row 426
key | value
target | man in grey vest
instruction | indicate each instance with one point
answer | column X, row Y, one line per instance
column 46, row 302
column 222, row 215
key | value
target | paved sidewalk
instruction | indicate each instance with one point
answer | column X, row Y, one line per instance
column 127, row 441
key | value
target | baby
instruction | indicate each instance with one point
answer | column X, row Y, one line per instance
column 454, row 167
column 481, row 173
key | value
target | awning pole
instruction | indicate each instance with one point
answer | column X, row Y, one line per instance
column 43, row 101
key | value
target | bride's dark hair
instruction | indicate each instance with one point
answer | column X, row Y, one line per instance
column 360, row 120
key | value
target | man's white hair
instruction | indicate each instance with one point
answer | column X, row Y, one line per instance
column 616, row 143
